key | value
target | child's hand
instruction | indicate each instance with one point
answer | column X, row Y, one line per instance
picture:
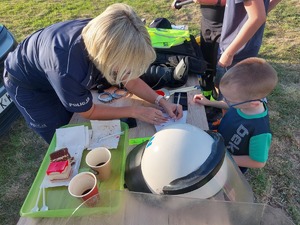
column 201, row 99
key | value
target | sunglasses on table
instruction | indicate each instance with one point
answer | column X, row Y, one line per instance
column 231, row 104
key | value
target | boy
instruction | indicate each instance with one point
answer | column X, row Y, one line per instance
column 245, row 127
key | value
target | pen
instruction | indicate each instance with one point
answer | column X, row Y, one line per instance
column 178, row 99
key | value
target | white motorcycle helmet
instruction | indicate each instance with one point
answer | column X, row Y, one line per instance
column 178, row 160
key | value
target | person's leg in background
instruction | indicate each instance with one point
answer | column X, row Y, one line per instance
column 211, row 27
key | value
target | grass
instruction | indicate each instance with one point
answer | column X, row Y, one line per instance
column 278, row 184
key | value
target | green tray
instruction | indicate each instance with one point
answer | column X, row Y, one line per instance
column 58, row 199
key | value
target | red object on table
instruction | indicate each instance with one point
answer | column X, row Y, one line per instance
column 57, row 167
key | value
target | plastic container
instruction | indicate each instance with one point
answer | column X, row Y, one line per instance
column 141, row 208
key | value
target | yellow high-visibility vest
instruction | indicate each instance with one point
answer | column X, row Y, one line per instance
column 166, row 38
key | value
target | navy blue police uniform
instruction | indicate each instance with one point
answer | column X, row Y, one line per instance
column 49, row 76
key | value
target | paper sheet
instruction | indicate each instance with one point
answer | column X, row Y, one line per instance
column 72, row 136
column 171, row 121
column 105, row 134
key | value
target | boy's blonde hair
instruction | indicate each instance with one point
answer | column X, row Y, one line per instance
column 118, row 44
column 252, row 78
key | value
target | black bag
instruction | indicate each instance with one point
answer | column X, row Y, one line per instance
column 163, row 72
column 190, row 49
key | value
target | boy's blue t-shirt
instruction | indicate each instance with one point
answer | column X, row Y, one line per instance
column 246, row 134
column 235, row 17
column 55, row 59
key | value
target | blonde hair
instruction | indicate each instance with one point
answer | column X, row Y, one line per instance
column 252, row 78
column 118, row 44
